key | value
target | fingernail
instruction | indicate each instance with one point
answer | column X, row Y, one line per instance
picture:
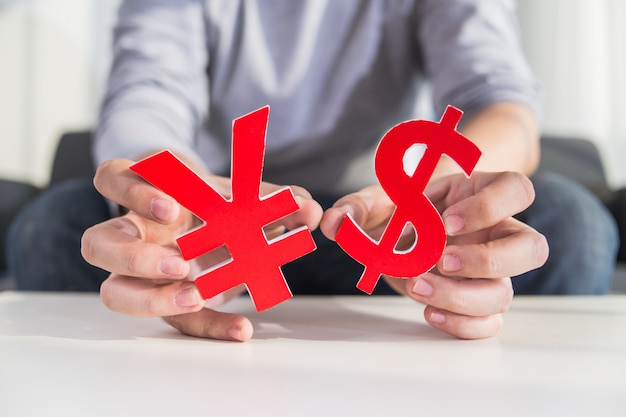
column 299, row 192
column 236, row 334
column 172, row 265
column 453, row 223
column 161, row 209
column 188, row 296
column 423, row 288
column 437, row 317
column 346, row 209
column 451, row 263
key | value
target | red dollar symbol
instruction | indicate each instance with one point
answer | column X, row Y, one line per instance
column 237, row 223
column 407, row 193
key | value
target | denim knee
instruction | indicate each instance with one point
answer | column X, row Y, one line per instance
column 582, row 236
column 43, row 242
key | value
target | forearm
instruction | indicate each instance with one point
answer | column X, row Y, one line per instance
column 157, row 90
column 508, row 137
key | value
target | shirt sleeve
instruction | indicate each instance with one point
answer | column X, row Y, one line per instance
column 157, row 94
column 472, row 53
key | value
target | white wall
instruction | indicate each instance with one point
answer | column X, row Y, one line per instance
column 577, row 49
column 54, row 55
column 53, row 60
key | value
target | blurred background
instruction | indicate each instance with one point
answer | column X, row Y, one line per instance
column 54, row 56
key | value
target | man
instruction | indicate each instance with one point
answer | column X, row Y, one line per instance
column 336, row 75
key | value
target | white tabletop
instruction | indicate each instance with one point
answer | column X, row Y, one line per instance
column 67, row 355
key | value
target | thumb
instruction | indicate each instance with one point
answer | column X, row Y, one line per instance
column 370, row 208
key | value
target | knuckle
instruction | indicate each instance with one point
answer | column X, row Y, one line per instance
column 506, row 297
column 300, row 191
column 458, row 301
column 185, row 324
column 527, row 186
column 132, row 190
column 100, row 175
column 361, row 211
column 495, row 324
column 86, row 245
column 465, row 331
column 498, row 322
column 133, row 261
column 481, row 328
column 542, row 250
column 489, row 210
column 97, row 177
column 492, row 265
column 524, row 183
column 151, row 306
column 106, row 295
column 175, row 322
column 488, row 262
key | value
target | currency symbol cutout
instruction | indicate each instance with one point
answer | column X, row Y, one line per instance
column 238, row 222
column 407, row 193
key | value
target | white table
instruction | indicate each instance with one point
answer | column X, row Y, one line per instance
column 67, row 355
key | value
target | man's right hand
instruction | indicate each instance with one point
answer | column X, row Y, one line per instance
column 148, row 276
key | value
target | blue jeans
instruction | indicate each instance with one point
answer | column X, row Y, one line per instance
column 44, row 245
column 43, row 242
column 582, row 235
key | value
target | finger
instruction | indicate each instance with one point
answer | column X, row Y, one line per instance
column 512, row 249
column 213, row 325
column 370, row 208
column 115, row 246
column 468, row 297
column 462, row 309
column 115, row 181
column 309, row 213
column 494, row 197
column 143, row 298
column 464, row 327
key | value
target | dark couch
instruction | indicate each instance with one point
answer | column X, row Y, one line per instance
column 72, row 159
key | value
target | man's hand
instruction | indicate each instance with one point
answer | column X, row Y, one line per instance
column 148, row 274
column 470, row 287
